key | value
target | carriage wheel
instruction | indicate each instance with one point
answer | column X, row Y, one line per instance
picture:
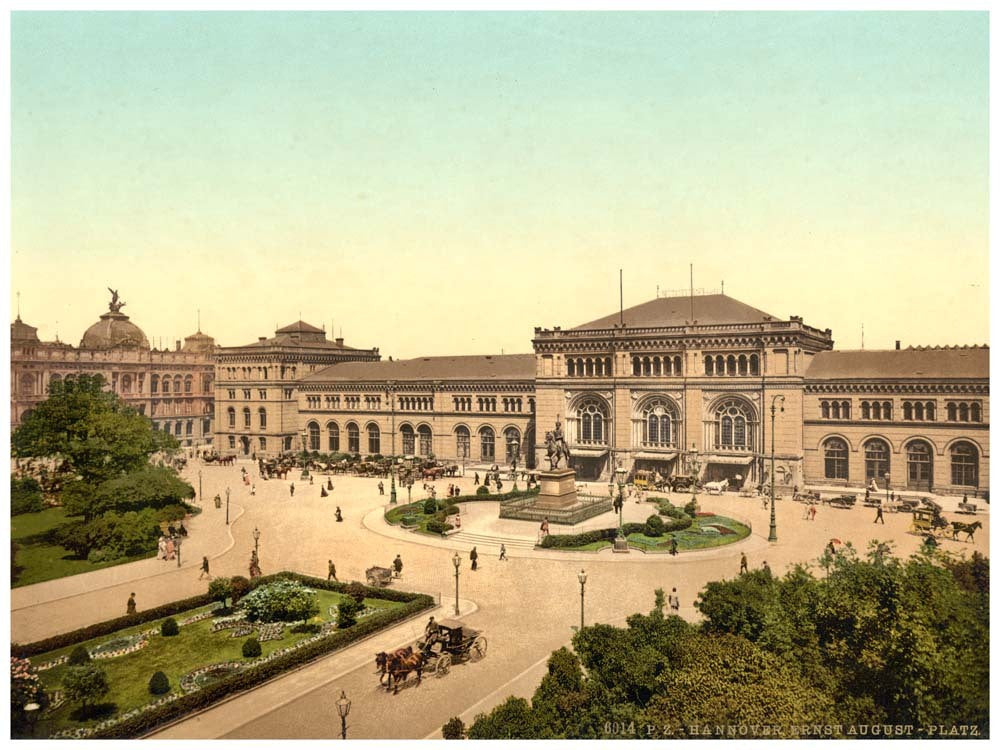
column 478, row 649
column 442, row 665
column 372, row 581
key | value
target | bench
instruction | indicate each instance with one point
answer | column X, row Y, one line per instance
column 968, row 508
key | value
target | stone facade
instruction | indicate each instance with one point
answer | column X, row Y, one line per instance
column 256, row 396
column 172, row 387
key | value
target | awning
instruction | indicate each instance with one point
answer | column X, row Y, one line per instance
column 738, row 460
column 588, row 452
column 648, row 456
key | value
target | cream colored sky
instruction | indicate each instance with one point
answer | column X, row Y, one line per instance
column 441, row 184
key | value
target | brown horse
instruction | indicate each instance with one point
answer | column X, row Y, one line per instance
column 382, row 660
column 399, row 668
column 969, row 529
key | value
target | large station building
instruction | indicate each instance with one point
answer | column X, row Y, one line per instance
column 696, row 384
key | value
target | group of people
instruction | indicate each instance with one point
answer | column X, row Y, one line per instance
column 745, row 567
column 165, row 547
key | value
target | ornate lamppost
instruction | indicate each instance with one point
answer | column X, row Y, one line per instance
column 621, row 542
column 513, row 446
column 227, row 506
column 695, row 469
column 256, row 539
column 773, row 535
column 305, row 457
column 887, row 489
column 457, row 562
column 199, row 485
column 582, row 578
column 177, row 548
column 343, row 708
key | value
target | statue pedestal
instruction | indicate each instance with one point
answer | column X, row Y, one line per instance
column 558, row 489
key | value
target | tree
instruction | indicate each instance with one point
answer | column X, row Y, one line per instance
column 511, row 720
column 145, row 487
column 96, row 434
column 220, row 589
column 86, row 684
column 454, row 729
column 347, row 613
column 281, row 601
column 25, row 496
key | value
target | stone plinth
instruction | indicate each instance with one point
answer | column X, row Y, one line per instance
column 558, row 489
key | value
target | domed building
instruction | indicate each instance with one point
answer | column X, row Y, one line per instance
column 172, row 387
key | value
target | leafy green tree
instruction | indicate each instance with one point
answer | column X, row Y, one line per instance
column 511, row 720
column 97, row 435
column 281, row 601
column 86, row 684
column 454, row 729
column 145, row 487
column 347, row 613
column 220, row 589
column 25, row 496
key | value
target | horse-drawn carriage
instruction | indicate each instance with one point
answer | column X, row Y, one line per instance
column 448, row 643
column 928, row 520
column 378, row 577
column 842, row 501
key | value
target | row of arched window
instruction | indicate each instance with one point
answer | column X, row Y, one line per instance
column 583, row 366
column 964, row 458
column 261, row 418
column 732, row 364
column 876, row 410
column 962, row 411
column 185, row 427
column 417, row 442
column 835, row 409
column 162, row 383
column 662, row 365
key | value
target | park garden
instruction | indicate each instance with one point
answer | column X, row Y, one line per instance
column 123, row 677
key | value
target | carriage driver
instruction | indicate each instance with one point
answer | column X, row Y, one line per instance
column 430, row 635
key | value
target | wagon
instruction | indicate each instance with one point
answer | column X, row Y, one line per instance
column 928, row 521
column 377, row 576
column 454, row 642
column 843, row 501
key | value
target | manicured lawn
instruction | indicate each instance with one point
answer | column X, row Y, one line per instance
column 39, row 559
column 694, row 537
column 195, row 646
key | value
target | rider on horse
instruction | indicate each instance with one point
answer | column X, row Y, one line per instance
column 556, row 446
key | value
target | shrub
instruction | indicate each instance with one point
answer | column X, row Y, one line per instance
column 347, row 613
column 241, row 586
column 85, row 685
column 25, row 496
column 220, row 589
column 170, row 513
column 451, row 510
column 356, row 591
column 159, row 684
column 430, row 506
column 169, row 627
column 251, row 648
column 280, row 601
column 692, row 507
column 78, row 656
column 483, row 491
column 454, row 729
column 654, row 526
column 437, row 527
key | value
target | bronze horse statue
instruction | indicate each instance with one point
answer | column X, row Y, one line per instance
column 556, row 449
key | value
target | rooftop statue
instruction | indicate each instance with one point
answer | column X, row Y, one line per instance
column 115, row 305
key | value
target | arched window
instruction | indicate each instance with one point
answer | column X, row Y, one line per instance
column 462, row 442
column 918, row 411
column 734, row 425
column 426, row 440
column 907, row 410
column 187, row 384
column 647, row 366
column 720, row 365
column 590, row 367
column 353, row 438
column 409, row 440
column 754, row 364
column 964, row 465
column 262, row 418
column 487, row 447
column 919, row 465
column 512, row 444
column 963, row 412
column 166, row 384
column 835, row 410
column 189, row 427
column 246, row 417
column 952, row 413
column 636, row 366
column 709, row 366
column 313, row 429
column 570, row 368
column 876, row 460
column 887, row 410
column 659, row 424
column 730, row 365
column 866, row 410
column 126, row 383
column 835, row 458
column 154, row 383
column 742, row 364
column 178, row 385
column 27, row 384
column 333, row 437
column 657, row 365
column 876, row 410
column 677, row 366
column 845, row 409
column 374, row 440
column 231, row 413
column 929, row 411
column 977, row 414
column 592, row 417
column 825, row 409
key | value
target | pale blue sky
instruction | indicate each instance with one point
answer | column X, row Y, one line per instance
column 443, row 182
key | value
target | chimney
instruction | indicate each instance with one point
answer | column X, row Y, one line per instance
column 177, row 345
column 262, row 339
column 897, row 344
column 339, row 341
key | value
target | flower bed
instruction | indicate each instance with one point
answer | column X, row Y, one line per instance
column 271, row 631
column 49, row 664
column 120, row 646
column 199, row 678
column 229, row 621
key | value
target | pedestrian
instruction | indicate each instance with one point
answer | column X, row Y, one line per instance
column 381, row 488
column 130, row 606
column 503, row 552
column 161, row 547
column 812, row 512
column 499, row 484
column 458, row 520
column 830, row 549
column 204, row 569
column 329, row 484
column 339, row 516
column 182, row 531
column 486, row 480
column 170, row 548
column 673, row 545
column 674, row 601
column 878, row 515
column 291, row 489
column 868, row 494
column 310, row 479
column 475, row 480
column 743, row 563
column 892, row 496
column 331, row 570
column 766, row 568
column 323, row 492
column 763, row 501
column 474, row 557
column 397, row 566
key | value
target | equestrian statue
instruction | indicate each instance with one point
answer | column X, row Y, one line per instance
column 556, row 446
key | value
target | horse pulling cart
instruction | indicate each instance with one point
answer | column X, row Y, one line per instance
column 454, row 642
column 378, row 577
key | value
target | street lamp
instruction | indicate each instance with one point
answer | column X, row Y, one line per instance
column 773, row 536
column 457, row 562
column 199, row 485
column 582, row 578
column 343, row 708
column 177, row 548
column 695, row 468
column 513, row 446
column 887, row 489
column 305, row 469
column 227, row 506
column 620, row 473
column 393, row 469
column 256, row 539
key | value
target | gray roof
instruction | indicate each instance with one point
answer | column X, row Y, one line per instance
column 471, row 367
column 300, row 326
column 709, row 309
column 910, row 363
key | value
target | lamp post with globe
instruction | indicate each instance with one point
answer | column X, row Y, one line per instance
column 343, row 708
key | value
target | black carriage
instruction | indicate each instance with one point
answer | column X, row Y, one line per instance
column 453, row 642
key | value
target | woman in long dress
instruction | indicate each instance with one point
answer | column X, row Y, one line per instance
column 170, row 549
column 162, row 547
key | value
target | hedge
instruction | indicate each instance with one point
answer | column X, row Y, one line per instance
column 558, row 541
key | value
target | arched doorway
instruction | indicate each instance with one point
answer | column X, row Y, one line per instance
column 244, row 444
column 919, row 466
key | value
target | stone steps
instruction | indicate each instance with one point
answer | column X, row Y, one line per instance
column 487, row 540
